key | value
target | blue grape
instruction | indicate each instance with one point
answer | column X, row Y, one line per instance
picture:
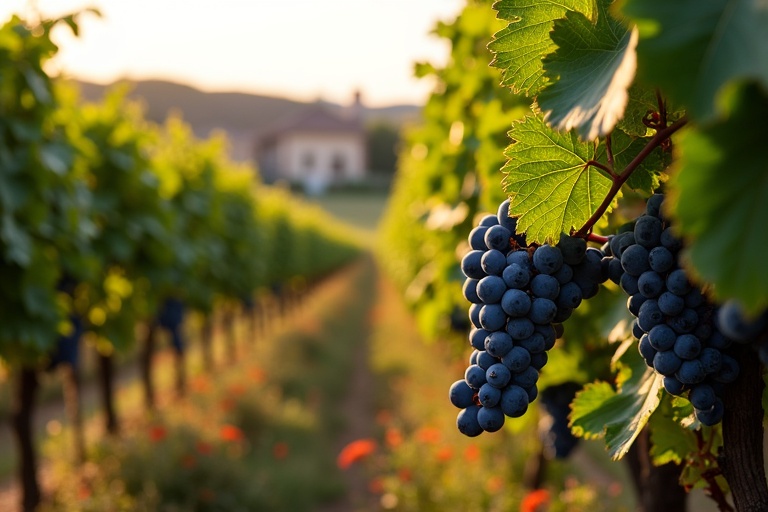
column 674, row 386
column 661, row 259
column 475, row 376
column 515, row 303
column 490, row 419
column 736, row 325
column 667, row 362
column 485, row 360
column 498, row 375
column 662, row 337
column 474, row 314
column 545, row 287
column 549, row 334
column 712, row 416
column 515, row 276
column 547, row 259
column 539, row 360
column 634, row 260
column 533, row 392
column 634, row 302
column 469, row 290
column 691, row 372
column 490, row 289
column 650, row 284
column 648, row 231
column 476, row 238
column 526, row 378
column 520, row 328
column 684, row 322
column 461, row 395
column 564, row 274
column 477, row 338
column 498, row 343
column 653, row 205
column 646, row 349
column 471, row 265
column 467, row 423
column 729, row 370
column 517, row 359
column 497, row 237
column 493, row 262
column 615, row 270
column 489, row 220
column 570, row 296
column 572, row 249
column 492, row 317
column 534, row 343
column 687, row 346
column 620, row 242
column 677, row 282
column 488, row 395
column 521, row 258
column 542, row 311
column 473, row 357
column 702, row 396
column 711, row 360
column 629, row 284
column 670, row 241
column 671, row 304
column 649, row 315
column 514, row 401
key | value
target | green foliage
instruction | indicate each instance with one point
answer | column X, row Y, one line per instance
column 519, row 47
column 590, row 72
column 548, row 179
column 724, row 248
column 618, row 414
column 694, row 50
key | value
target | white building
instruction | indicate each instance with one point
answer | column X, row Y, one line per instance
column 315, row 149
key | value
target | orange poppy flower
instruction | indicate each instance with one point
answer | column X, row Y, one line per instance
column 445, row 454
column 534, row 501
column 157, row 433
column 355, row 451
column 429, row 435
column 393, row 437
column 231, row 433
column 472, row 453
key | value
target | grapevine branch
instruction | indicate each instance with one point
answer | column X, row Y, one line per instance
column 657, row 140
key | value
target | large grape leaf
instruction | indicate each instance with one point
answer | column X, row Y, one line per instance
column 625, row 148
column 692, row 48
column 720, row 197
column 590, row 73
column 551, row 188
column 519, row 48
column 620, row 414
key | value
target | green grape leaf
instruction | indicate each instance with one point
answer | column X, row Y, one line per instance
column 617, row 415
column 547, row 178
column 646, row 176
column 590, row 73
column 519, row 47
column 670, row 442
column 720, row 198
column 691, row 49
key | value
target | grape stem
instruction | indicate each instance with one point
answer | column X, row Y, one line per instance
column 618, row 180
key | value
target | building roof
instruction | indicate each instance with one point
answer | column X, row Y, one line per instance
column 315, row 118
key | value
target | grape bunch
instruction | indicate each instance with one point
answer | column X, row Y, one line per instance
column 675, row 323
column 741, row 327
column 520, row 296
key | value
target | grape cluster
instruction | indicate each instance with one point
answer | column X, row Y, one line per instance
column 744, row 328
column 675, row 323
column 520, row 296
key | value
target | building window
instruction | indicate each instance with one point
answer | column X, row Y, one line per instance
column 308, row 161
column 338, row 164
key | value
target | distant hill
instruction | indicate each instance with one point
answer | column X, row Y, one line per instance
column 242, row 115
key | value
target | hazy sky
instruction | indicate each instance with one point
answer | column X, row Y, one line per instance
column 303, row 49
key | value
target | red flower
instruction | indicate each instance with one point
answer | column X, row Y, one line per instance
column 188, row 461
column 280, row 451
column 534, row 501
column 355, row 451
column 429, row 435
column 472, row 453
column 204, row 448
column 393, row 437
column 231, row 433
column 405, row 475
column 376, row 486
column 237, row 389
column 445, row 454
column 157, row 433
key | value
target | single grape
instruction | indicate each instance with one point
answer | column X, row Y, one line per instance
column 493, row 262
column 461, row 395
column 515, row 303
column 475, row 376
column 498, row 343
column 517, row 359
column 497, row 237
column 547, row 259
column 514, row 401
column 488, row 395
column 490, row 419
column 467, row 422
column 498, row 375
column 471, row 265
column 490, row 289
